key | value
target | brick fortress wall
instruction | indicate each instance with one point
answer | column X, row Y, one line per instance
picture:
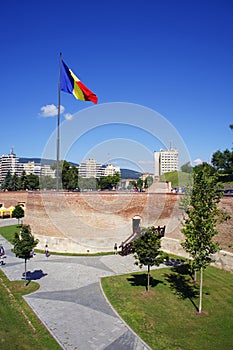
column 93, row 222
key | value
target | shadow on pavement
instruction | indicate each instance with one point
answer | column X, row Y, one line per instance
column 35, row 275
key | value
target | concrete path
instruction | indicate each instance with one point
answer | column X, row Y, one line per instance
column 70, row 301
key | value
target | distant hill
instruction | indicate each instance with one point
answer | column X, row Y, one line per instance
column 130, row 174
column 125, row 173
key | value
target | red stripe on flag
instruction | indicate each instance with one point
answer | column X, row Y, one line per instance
column 88, row 94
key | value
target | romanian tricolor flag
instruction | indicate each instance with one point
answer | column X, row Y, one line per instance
column 71, row 84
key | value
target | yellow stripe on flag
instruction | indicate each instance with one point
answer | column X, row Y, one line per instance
column 77, row 92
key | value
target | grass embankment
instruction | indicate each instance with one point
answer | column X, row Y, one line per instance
column 177, row 178
column 166, row 318
column 19, row 327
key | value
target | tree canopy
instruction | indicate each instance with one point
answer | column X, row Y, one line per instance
column 24, row 243
column 18, row 212
column 147, row 251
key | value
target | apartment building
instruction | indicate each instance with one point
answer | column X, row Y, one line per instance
column 9, row 163
column 110, row 170
column 165, row 161
column 90, row 168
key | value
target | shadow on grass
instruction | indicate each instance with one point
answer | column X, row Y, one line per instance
column 141, row 280
column 179, row 281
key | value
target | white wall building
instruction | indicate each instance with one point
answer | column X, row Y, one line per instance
column 46, row 170
column 165, row 161
column 111, row 170
column 90, row 168
column 9, row 163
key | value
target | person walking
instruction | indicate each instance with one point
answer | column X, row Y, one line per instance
column 46, row 251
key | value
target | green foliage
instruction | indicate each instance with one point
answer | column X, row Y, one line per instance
column 16, row 183
column 8, row 232
column 223, row 161
column 8, row 182
column 177, row 178
column 148, row 181
column 187, row 168
column 69, row 176
column 108, row 182
column 87, row 184
column 23, row 181
column 147, row 251
column 33, row 182
column 202, row 216
column 18, row 212
column 24, row 243
column 47, row 182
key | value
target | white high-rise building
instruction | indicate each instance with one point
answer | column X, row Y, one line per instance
column 90, row 168
column 165, row 161
column 9, row 163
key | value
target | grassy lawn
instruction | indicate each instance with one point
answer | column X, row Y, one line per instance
column 19, row 327
column 165, row 317
column 8, row 232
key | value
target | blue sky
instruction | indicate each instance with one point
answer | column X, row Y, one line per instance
column 174, row 57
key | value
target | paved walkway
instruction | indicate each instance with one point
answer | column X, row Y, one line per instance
column 70, row 301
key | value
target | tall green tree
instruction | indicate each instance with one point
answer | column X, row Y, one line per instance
column 7, row 182
column 33, row 182
column 14, row 183
column 18, row 212
column 24, row 243
column 69, row 176
column 23, row 181
column 202, row 216
column 147, row 251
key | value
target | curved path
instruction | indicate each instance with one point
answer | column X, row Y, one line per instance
column 70, row 301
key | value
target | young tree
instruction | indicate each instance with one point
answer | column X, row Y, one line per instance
column 24, row 244
column 147, row 251
column 18, row 212
column 202, row 216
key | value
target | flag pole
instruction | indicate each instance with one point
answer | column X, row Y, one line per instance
column 58, row 125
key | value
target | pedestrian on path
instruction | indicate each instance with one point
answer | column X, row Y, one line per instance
column 115, row 248
column 46, row 251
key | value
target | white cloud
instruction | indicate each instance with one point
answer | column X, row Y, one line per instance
column 198, row 161
column 68, row 116
column 50, row 110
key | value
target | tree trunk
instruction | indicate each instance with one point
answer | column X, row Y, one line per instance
column 200, row 293
column 25, row 271
column 195, row 276
column 148, row 278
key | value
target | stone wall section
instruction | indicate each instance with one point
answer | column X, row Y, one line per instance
column 93, row 222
